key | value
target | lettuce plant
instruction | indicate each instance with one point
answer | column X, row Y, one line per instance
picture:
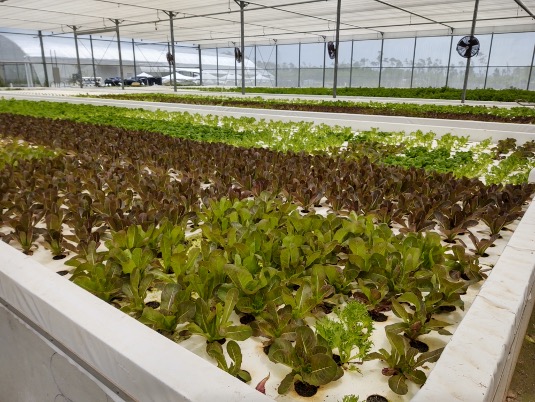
column 94, row 275
column 214, row 323
column 135, row 290
column 453, row 220
column 350, row 333
column 310, row 360
column 481, row 245
column 176, row 307
column 25, row 231
column 374, row 294
column 215, row 350
column 274, row 323
column 255, row 291
column 403, row 363
column 53, row 234
column 414, row 323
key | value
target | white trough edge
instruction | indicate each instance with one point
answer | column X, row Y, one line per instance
column 145, row 365
column 478, row 362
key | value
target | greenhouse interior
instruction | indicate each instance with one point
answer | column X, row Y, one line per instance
column 269, row 200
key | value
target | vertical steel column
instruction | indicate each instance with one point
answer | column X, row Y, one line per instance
column 235, row 72
column 134, row 54
column 4, row 76
column 413, row 59
column 255, row 65
column 381, row 60
column 172, row 30
column 299, row 67
column 467, row 72
column 276, row 65
column 449, row 60
column 351, row 65
column 43, row 58
column 119, row 49
column 74, row 28
column 488, row 60
column 93, row 59
column 531, row 67
column 200, row 65
column 217, row 64
column 169, row 51
column 242, row 5
column 324, row 62
column 337, row 43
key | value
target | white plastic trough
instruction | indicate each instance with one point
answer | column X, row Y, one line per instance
column 59, row 340
column 61, row 343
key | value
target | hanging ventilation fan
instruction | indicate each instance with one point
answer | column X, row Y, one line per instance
column 331, row 48
column 237, row 54
column 468, row 47
column 170, row 59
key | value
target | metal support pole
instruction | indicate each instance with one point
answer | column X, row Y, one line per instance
column 74, row 28
column 255, row 65
column 413, row 59
column 172, row 29
column 119, row 49
column 488, row 60
column 449, row 61
column 324, row 62
column 43, row 58
column 169, row 51
column 235, row 72
column 467, row 72
column 276, row 65
column 134, row 54
column 351, row 65
column 93, row 59
column 299, row 68
column 531, row 67
column 217, row 64
column 200, row 65
column 242, row 5
column 337, row 43
column 381, row 60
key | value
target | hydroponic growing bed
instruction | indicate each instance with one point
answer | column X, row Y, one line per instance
column 300, row 262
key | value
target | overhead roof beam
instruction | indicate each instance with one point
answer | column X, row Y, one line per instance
column 187, row 15
column 524, row 7
column 312, row 33
column 96, row 31
column 412, row 13
column 318, row 18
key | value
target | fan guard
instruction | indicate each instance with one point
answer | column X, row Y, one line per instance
column 237, row 54
column 468, row 47
column 331, row 49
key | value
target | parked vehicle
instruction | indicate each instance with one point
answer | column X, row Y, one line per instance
column 96, row 81
column 114, row 81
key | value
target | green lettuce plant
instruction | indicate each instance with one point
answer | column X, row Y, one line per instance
column 103, row 279
column 310, row 360
column 403, row 363
column 414, row 323
column 176, row 307
column 350, row 333
column 214, row 323
column 215, row 350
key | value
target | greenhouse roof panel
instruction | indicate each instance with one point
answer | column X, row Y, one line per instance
column 217, row 22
